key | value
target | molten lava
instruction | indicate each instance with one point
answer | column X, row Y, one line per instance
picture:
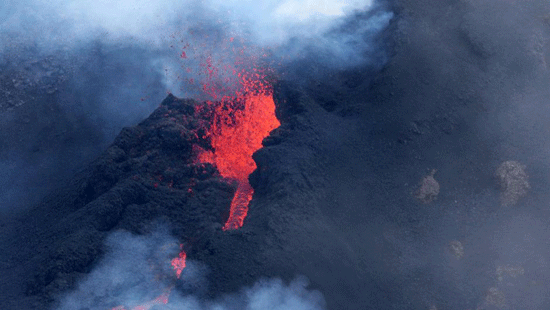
column 239, row 124
column 241, row 113
column 179, row 262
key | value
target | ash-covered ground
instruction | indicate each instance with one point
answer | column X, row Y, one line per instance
column 410, row 170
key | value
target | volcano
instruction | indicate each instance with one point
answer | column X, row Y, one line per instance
column 421, row 183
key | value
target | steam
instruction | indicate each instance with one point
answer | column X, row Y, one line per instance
column 136, row 269
column 151, row 22
column 68, row 24
column 166, row 27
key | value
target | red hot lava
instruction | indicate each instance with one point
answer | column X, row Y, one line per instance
column 239, row 124
column 242, row 112
column 179, row 262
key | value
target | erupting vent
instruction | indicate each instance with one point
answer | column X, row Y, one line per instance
column 239, row 124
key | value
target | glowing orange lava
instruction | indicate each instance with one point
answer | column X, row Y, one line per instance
column 239, row 124
column 179, row 263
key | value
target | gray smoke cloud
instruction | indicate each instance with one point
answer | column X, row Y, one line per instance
column 58, row 25
column 136, row 270
column 273, row 21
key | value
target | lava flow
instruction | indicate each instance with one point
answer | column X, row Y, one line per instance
column 239, row 124
column 240, row 115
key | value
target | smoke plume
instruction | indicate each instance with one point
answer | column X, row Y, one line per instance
column 136, row 269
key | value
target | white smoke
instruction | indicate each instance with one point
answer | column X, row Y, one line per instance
column 288, row 29
column 68, row 24
column 270, row 21
column 136, row 269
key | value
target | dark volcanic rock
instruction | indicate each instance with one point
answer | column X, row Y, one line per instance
column 332, row 202
column 146, row 175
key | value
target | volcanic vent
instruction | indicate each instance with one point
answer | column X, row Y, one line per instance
column 238, row 125
column 234, row 128
column 186, row 165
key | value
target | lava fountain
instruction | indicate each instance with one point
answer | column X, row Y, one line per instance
column 241, row 113
column 239, row 124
